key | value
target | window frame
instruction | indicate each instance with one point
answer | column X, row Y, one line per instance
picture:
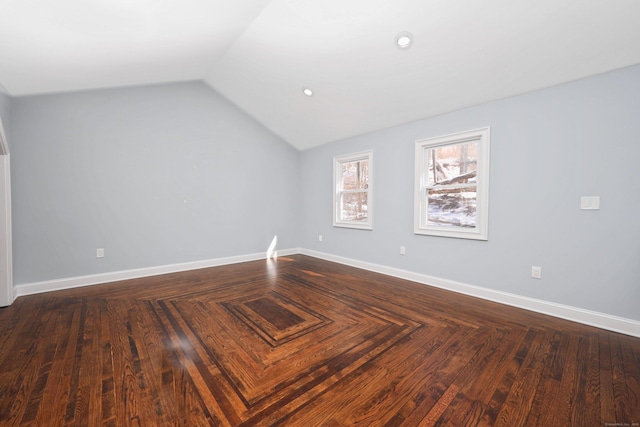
column 422, row 149
column 338, row 190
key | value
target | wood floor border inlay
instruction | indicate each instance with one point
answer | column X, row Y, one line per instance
column 351, row 336
column 303, row 342
column 275, row 318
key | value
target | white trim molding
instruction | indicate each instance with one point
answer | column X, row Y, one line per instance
column 7, row 292
column 587, row 317
column 96, row 279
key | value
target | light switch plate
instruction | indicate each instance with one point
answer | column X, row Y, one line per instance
column 590, row 203
column 536, row 272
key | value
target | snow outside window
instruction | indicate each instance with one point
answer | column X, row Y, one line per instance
column 452, row 185
column 352, row 179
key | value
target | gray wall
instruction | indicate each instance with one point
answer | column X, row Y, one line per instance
column 548, row 148
column 113, row 168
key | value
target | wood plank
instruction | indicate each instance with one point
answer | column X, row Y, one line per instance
column 527, row 368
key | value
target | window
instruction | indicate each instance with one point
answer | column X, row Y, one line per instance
column 352, row 179
column 452, row 185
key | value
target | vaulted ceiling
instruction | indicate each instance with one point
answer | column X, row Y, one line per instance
column 260, row 54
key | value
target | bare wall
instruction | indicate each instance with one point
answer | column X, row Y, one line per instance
column 155, row 175
column 114, row 168
column 548, row 148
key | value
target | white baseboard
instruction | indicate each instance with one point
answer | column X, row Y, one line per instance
column 587, row 317
column 95, row 279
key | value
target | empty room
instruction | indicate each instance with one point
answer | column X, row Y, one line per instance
column 319, row 213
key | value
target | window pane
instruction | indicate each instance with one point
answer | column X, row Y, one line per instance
column 353, row 200
column 355, row 175
column 354, row 207
column 452, row 164
column 452, row 185
column 452, row 207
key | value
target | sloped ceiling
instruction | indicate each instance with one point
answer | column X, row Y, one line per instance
column 261, row 53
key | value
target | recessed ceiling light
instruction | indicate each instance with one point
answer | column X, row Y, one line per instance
column 404, row 40
column 307, row 91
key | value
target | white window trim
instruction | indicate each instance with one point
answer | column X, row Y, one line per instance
column 337, row 188
column 480, row 232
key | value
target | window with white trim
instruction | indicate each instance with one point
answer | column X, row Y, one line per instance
column 452, row 185
column 352, row 197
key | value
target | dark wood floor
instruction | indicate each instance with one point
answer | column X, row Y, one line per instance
column 303, row 342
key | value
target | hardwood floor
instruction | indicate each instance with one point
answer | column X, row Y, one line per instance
column 303, row 342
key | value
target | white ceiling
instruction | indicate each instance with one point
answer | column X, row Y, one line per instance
column 260, row 53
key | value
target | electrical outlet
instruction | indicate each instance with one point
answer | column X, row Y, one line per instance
column 403, row 250
column 319, row 237
column 536, row 272
column 100, row 253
